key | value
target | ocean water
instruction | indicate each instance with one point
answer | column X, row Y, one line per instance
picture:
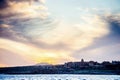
column 60, row 77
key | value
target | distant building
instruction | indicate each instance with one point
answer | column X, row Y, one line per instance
column 115, row 62
column 80, row 64
column 82, row 60
column 106, row 63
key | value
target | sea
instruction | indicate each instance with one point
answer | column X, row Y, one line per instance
column 59, row 77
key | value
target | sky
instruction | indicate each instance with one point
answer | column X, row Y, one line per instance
column 58, row 31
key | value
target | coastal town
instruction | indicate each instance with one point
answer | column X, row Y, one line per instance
column 80, row 67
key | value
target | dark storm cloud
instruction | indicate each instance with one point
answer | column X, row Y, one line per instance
column 7, row 32
column 3, row 4
column 114, row 23
column 6, row 10
column 13, row 22
column 6, row 3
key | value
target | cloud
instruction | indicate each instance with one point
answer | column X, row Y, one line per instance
column 17, row 18
column 114, row 23
column 12, row 59
column 79, row 35
column 106, row 45
column 55, row 44
column 104, row 53
column 39, row 38
column 7, row 32
column 31, row 53
column 18, row 15
column 3, row 4
column 23, row 9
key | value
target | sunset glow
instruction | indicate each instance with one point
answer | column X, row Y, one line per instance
column 58, row 31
